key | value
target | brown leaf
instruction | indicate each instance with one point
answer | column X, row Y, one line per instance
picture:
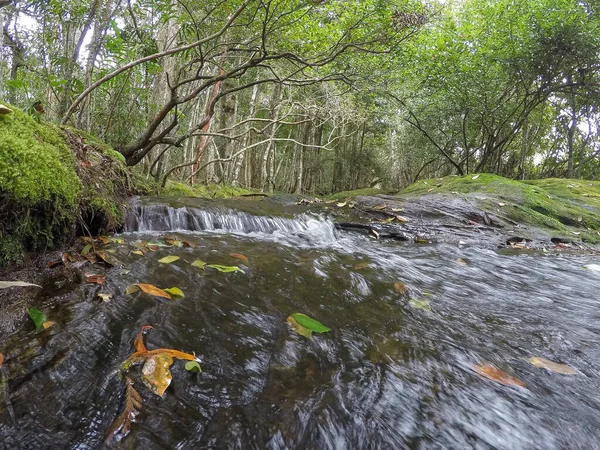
column 1, row 360
column 361, row 265
column 138, row 357
column 104, row 239
column 54, row 263
column 544, row 363
column 91, row 257
column 66, row 258
column 382, row 206
column 133, row 403
column 401, row 287
column 139, row 340
column 153, row 290
column 239, row 256
column 493, row 373
column 94, row 278
column 401, row 219
column 188, row 244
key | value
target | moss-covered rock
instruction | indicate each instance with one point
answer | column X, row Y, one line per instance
column 39, row 186
column 569, row 208
column 177, row 189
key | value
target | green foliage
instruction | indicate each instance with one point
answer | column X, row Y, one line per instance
column 38, row 318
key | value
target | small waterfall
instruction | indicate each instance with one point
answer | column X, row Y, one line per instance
column 148, row 217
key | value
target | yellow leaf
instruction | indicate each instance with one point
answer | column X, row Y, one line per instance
column 105, row 297
column 461, row 262
column 341, row 204
column 48, row 324
column 138, row 252
column 544, row 363
column 168, row 259
column 175, row 292
column 156, row 374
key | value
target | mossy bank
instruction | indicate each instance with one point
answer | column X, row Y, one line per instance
column 53, row 181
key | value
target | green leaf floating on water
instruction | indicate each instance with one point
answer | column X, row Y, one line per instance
column 420, row 304
column 199, row 264
column 226, row 269
column 168, row 259
column 193, row 366
column 305, row 326
column 175, row 291
column 38, row 317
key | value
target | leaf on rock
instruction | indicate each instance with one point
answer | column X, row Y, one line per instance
column 310, row 323
column 379, row 207
column 94, row 278
column 133, row 404
column 239, row 256
column 199, row 264
column 401, row 287
column 138, row 252
column 475, row 177
column 108, row 258
column 105, row 297
column 341, row 204
column 156, row 374
column 493, row 373
column 501, row 204
column 461, row 262
column 131, row 289
column 1, row 360
column 48, row 324
column 193, row 366
column 302, row 331
column 544, row 363
column 175, row 292
column 188, row 244
column 592, row 267
column 174, row 242
column 168, row 259
column 153, row 290
column 8, row 284
column 225, row 269
column 85, row 250
column 401, row 219
column 420, row 304
column 361, row 265
column 397, row 209
column 138, row 344
column 38, row 318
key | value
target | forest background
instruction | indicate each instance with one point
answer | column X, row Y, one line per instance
column 315, row 96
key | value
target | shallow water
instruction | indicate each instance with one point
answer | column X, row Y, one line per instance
column 388, row 376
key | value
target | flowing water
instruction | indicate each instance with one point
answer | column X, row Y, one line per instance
column 388, row 376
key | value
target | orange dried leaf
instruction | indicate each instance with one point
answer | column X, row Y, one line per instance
column 94, row 278
column 139, row 340
column 493, row 373
column 1, row 360
column 153, row 290
column 239, row 256
column 48, row 324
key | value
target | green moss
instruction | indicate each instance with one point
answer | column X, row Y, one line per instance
column 39, row 187
column 177, row 189
column 557, row 205
column 347, row 194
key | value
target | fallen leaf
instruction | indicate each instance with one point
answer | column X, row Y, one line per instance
column 153, row 290
column 133, row 404
column 1, row 360
column 493, row 373
column 124, row 271
column 429, row 190
column 592, row 267
column 401, row 287
column 341, row 205
column 375, row 233
column 175, row 292
column 461, row 262
column 132, row 288
column 138, row 252
column 85, row 250
column 108, row 258
column 105, row 297
column 199, row 264
column 225, row 269
column 94, row 278
column 138, row 344
column 38, row 318
column 401, row 219
column 156, row 374
column 420, row 304
column 382, row 206
column 305, row 326
column 48, row 324
column 138, row 357
column 168, row 259
column 8, row 284
column 54, row 262
column 104, row 239
column 397, row 209
column 475, row 177
column 544, row 363
column 193, row 366
column 579, row 218
column 174, row 242
column 91, row 257
column 501, row 204
column 361, row 265
column 188, row 244
column 388, row 220
column 239, row 256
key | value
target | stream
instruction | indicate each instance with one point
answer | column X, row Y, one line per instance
column 388, row 376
